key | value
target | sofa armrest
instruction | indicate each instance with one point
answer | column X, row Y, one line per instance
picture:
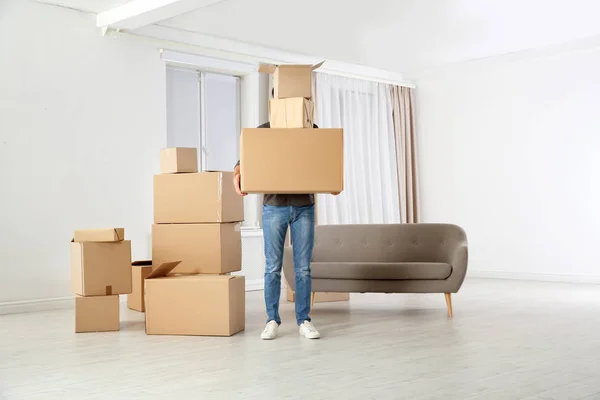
column 458, row 259
column 288, row 267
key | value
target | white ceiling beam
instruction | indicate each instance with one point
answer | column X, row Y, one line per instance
column 254, row 54
column 139, row 13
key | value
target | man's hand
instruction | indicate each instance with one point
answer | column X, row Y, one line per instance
column 237, row 181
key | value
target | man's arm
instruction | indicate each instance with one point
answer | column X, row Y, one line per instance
column 236, row 169
column 237, row 179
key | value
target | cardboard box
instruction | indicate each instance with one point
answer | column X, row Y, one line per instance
column 201, row 248
column 178, row 159
column 207, row 305
column 99, row 235
column 320, row 297
column 101, row 269
column 292, row 160
column 291, row 80
column 296, row 112
column 139, row 271
column 97, row 313
column 203, row 197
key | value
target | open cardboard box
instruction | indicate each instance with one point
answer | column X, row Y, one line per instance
column 139, row 272
column 204, row 305
column 291, row 80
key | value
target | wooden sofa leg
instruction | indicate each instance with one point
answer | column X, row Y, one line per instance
column 449, row 303
column 312, row 299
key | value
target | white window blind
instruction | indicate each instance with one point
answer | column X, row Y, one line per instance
column 221, row 121
column 203, row 111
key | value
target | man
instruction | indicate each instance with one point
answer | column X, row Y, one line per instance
column 280, row 211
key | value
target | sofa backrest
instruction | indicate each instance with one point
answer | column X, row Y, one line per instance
column 386, row 243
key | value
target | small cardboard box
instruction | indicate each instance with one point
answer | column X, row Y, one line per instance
column 291, row 80
column 203, row 197
column 101, row 269
column 99, row 235
column 320, row 297
column 292, row 160
column 178, row 159
column 139, row 271
column 201, row 248
column 206, row 305
column 97, row 313
column 296, row 112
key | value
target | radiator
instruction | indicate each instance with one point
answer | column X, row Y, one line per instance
column 253, row 258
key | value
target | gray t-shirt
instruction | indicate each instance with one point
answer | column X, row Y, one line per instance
column 296, row 200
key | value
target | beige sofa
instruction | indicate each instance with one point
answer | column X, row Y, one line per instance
column 391, row 258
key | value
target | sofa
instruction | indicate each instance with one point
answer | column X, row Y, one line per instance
column 387, row 258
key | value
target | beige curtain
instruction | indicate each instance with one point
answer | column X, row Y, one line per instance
column 406, row 162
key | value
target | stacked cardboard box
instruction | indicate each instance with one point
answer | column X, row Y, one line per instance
column 196, row 244
column 100, row 272
column 292, row 157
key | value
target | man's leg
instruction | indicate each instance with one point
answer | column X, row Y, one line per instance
column 303, row 236
column 275, row 222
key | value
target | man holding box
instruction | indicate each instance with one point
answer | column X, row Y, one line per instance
column 280, row 211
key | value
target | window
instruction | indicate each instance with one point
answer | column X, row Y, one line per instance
column 203, row 111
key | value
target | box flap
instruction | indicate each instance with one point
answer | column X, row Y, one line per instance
column 317, row 65
column 142, row 262
column 99, row 235
column 267, row 68
column 119, row 233
column 163, row 269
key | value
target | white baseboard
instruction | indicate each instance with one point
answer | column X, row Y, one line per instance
column 524, row 276
column 25, row 306
column 16, row 307
column 58, row 303
column 55, row 303
column 253, row 285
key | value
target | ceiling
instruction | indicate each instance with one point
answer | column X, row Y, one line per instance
column 93, row 6
column 399, row 35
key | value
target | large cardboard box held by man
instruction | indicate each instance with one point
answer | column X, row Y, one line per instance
column 292, row 160
column 203, row 197
column 101, row 269
column 139, row 271
column 296, row 112
column 97, row 313
column 291, row 80
column 206, row 305
column 201, row 248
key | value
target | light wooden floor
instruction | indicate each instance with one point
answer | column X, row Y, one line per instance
column 508, row 340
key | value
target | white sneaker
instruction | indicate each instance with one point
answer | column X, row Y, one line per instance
column 270, row 331
column 308, row 331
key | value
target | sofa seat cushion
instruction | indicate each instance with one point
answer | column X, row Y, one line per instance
column 380, row 271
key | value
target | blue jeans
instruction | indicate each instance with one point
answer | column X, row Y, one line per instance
column 275, row 223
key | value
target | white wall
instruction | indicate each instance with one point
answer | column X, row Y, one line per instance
column 82, row 119
column 509, row 149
